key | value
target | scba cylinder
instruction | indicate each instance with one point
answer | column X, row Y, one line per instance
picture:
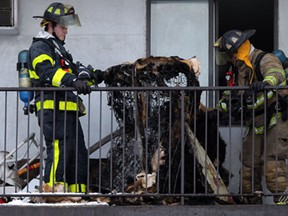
column 284, row 60
column 24, row 81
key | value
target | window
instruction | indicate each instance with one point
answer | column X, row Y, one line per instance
column 8, row 17
column 181, row 28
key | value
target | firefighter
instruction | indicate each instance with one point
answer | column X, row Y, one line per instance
column 250, row 70
column 50, row 65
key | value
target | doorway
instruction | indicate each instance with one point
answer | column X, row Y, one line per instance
column 246, row 14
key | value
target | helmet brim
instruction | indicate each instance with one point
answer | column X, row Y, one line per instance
column 217, row 43
column 36, row 17
column 68, row 20
column 248, row 33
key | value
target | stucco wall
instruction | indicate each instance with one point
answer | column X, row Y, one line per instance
column 112, row 32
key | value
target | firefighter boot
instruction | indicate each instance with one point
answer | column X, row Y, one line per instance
column 276, row 178
column 248, row 177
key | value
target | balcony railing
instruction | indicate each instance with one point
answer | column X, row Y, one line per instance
column 145, row 146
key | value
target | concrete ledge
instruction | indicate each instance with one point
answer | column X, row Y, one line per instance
column 78, row 210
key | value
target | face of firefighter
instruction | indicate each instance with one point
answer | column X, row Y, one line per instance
column 61, row 32
column 233, row 58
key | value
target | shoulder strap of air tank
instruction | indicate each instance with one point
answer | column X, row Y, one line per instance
column 259, row 76
column 47, row 41
column 57, row 50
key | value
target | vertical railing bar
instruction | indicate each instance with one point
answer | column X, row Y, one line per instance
column 182, row 146
column 28, row 141
column 124, row 142
column 146, row 138
column 41, row 141
column 111, row 142
column 218, row 147
column 253, row 144
column 65, row 140
column 77, row 146
column 158, row 138
column 100, row 143
column 170, row 142
column 17, row 129
column 205, row 144
column 277, row 142
column 88, row 141
column 195, row 132
column 5, row 142
column 54, row 136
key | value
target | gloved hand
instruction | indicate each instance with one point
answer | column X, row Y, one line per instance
column 97, row 76
column 259, row 85
column 249, row 97
column 236, row 107
column 81, row 87
column 83, row 74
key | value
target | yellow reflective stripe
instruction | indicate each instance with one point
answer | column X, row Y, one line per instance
column 271, row 79
column 76, row 188
column 260, row 100
column 50, row 9
column 52, row 178
column 41, row 58
column 272, row 70
column 33, row 75
column 57, row 78
column 49, row 104
column 275, row 117
column 283, row 83
column 57, row 11
column 224, row 106
column 71, row 106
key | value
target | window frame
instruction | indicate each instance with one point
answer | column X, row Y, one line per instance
column 11, row 30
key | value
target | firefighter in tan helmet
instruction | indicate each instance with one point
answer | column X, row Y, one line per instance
column 266, row 113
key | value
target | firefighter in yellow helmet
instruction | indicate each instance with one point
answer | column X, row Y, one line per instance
column 50, row 65
column 271, row 151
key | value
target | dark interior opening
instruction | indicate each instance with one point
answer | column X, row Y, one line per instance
column 243, row 15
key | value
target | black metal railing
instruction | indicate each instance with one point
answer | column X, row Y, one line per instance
column 145, row 146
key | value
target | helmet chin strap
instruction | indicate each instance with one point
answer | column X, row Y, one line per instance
column 54, row 34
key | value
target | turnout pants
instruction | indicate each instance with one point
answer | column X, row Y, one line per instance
column 271, row 153
column 67, row 155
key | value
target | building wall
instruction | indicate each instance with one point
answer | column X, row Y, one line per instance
column 112, row 32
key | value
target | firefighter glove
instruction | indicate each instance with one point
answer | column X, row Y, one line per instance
column 83, row 74
column 81, row 87
column 235, row 106
column 97, row 76
column 258, row 86
column 249, row 97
